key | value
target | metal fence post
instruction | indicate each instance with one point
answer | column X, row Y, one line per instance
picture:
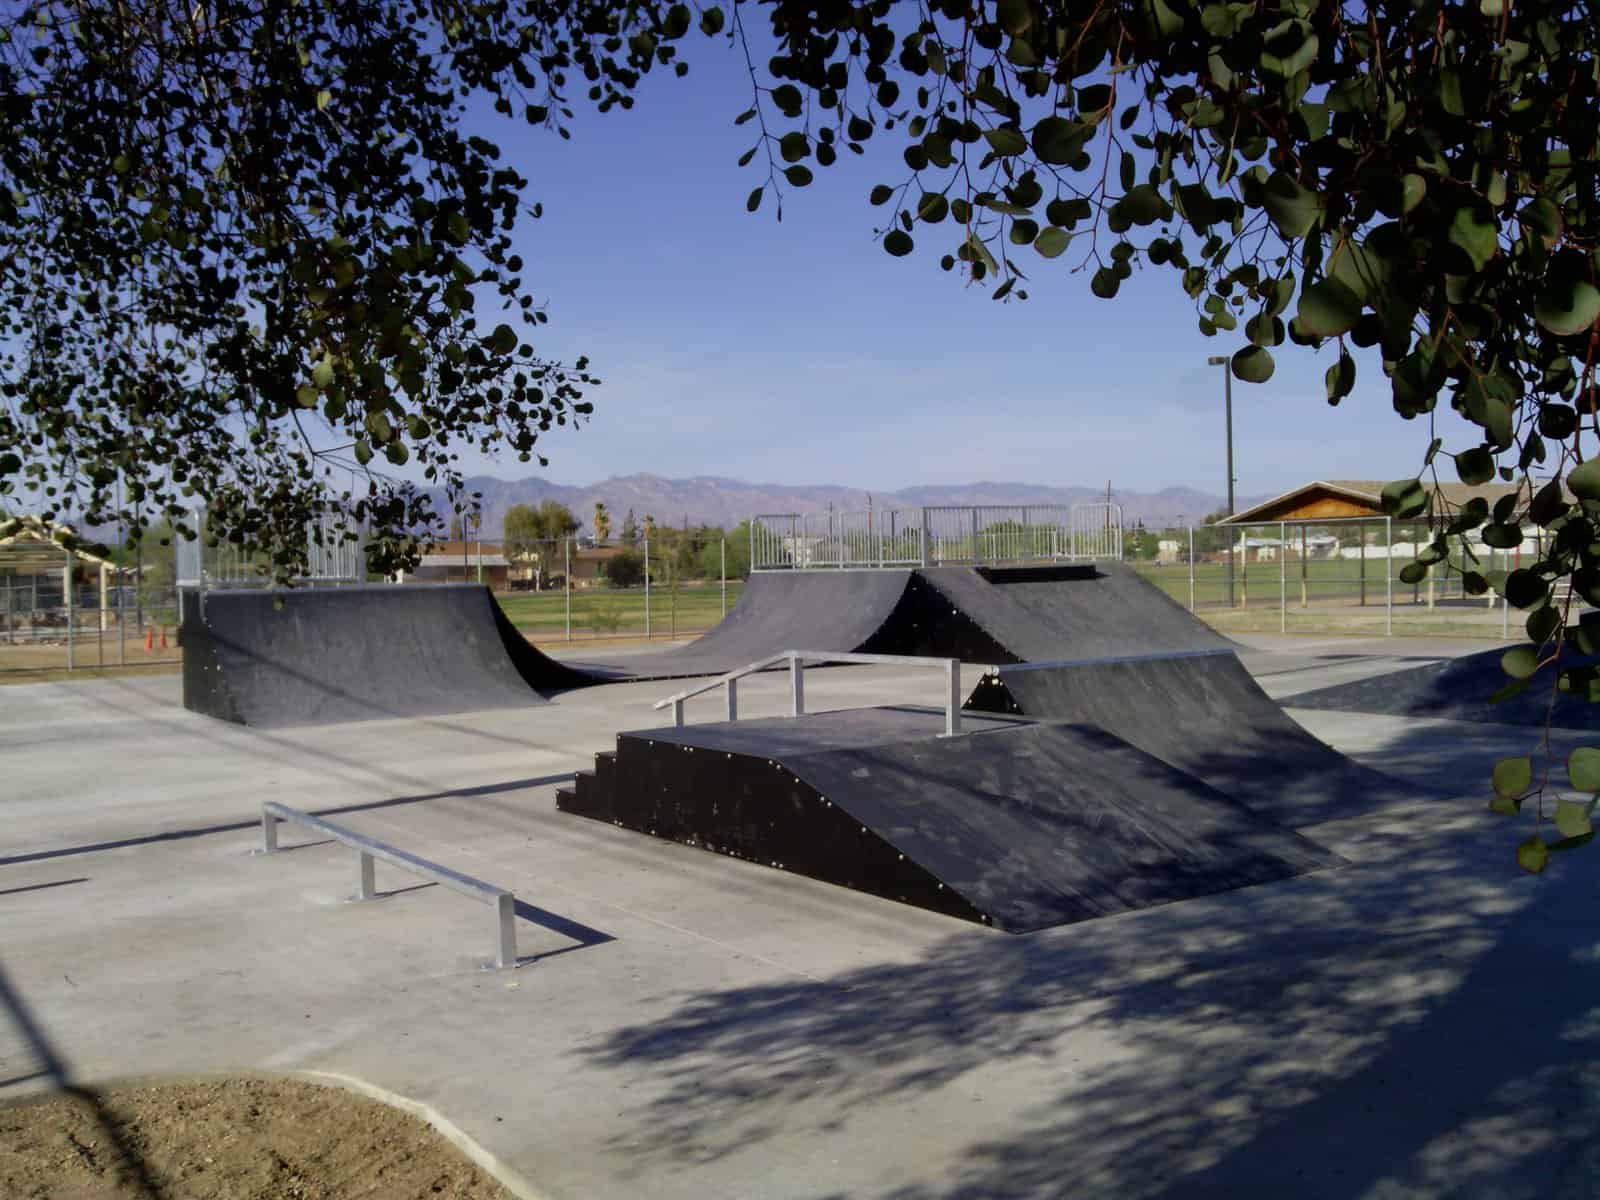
column 647, row 589
column 1191, row 569
column 1388, row 576
column 566, row 555
column 66, row 580
column 797, row 686
column 723, row 571
column 924, row 538
column 122, row 618
column 1283, row 577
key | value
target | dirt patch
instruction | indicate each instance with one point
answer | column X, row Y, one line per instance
column 229, row 1139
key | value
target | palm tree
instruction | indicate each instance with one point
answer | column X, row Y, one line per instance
column 602, row 521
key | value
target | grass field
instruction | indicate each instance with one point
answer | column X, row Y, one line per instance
column 1323, row 580
column 608, row 613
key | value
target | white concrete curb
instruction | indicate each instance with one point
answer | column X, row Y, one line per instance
column 511, row 1180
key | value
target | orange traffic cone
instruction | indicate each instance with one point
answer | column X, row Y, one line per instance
column 163, row 637
column 149, row 640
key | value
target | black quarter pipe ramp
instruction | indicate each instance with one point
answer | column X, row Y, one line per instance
column 320, row 655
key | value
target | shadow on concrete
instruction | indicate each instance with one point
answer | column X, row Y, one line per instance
column 39, row 887
column 136, row 1177
column 1425, row 1022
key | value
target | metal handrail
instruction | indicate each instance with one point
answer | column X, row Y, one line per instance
column 368, row 849
column 797, row 660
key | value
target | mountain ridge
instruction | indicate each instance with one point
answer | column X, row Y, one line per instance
column 722, row 500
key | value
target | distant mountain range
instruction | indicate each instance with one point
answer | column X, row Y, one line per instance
column 712, row 500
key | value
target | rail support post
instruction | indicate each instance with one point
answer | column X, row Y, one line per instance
column 506, row 950
column 952, row 707
column 733, row 699
column 677, row 712
column 368, row 886
column 269, row 833
column 797, row 686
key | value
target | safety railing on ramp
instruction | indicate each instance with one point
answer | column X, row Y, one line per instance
column 797, row 660
column 369, row 849
column 936, row 535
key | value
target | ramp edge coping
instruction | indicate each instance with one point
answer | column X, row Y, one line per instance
column 1157, row 656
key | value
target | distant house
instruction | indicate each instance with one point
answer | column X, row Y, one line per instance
column 33, row 569
column 463, row 562
column 1335, row 499
column 1322, row 503
column 459, row 562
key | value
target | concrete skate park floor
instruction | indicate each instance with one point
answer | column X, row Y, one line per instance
column 1423, row 1022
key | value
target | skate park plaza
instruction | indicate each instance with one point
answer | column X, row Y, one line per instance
column 938, row 871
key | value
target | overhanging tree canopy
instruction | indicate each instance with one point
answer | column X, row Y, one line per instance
column 237, row 235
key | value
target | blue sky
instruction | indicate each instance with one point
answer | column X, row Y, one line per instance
column 799, row 352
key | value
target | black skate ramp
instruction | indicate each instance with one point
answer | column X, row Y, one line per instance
column 306, row 656
column 865, row 611
column 1458, row 689
column 1072, row 611
column 1018, row 824
column 985, row 615
column 1201, row 712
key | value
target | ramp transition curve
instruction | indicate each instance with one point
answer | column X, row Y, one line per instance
column 300, row 656
column 310, row 655
column 1201, row 712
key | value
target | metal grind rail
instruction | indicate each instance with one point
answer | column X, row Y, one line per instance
column 369, row 850
column 797, row 660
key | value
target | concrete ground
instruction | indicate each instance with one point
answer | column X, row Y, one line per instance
column 1424, row 1022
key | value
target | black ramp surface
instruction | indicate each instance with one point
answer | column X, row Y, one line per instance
column 1041, row 614
column 1457, row 689
column 314, row 655
column 1201, row 712
column 777, row 611
column 874, row 612
column 1024, row 824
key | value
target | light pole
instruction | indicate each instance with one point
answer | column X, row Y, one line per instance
column 1218, row 360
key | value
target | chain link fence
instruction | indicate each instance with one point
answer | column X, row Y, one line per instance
column 1330, row 577
column 66, row 611
column 672, row 586
column 936, row 535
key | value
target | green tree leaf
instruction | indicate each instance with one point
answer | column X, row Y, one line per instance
column 1294, row 209
column 1583, row 769
column 1058, row 141
column 898, row 243
column 1520, row 662
column 1512, row 777
column 1327, row 309
column 1404, row 499
column 1005, row 141
column 1568, row 306
column 1253, row 365
column 1052, row 241
column 1584, row 480
column 1572, row 817
column 1533, row 856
